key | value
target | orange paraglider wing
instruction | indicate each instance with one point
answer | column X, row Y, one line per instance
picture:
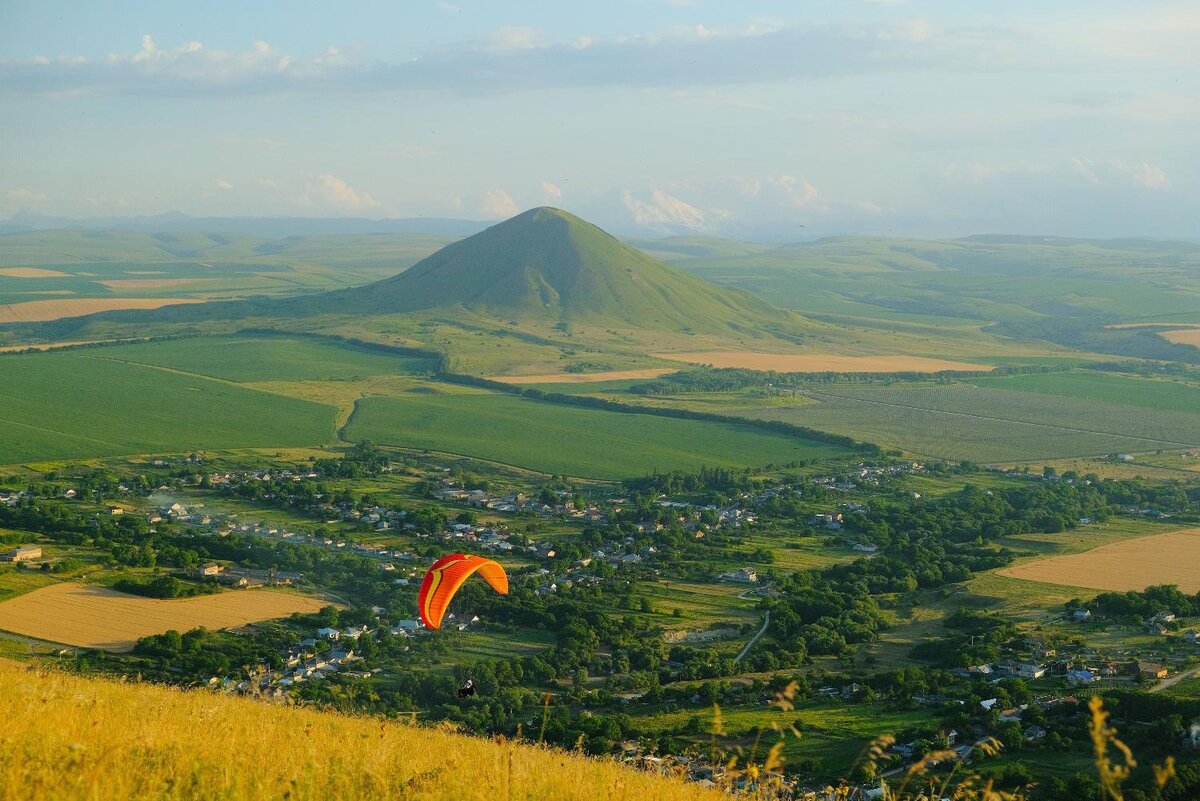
column 447, row 575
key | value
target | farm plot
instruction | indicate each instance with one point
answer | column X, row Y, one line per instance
column 64, row 406
column 97, row 617
column 1154, row 393
column 821, row 362
column 961, row 421
column 1183, row 336
column 590, row 443
column 264, row 358
column 35, row 311
column 1172, row 558
column 583, row 378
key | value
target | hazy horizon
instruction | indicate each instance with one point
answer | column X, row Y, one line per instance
column 760, row 121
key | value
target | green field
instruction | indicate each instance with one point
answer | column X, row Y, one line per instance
column 1159, row 394
column 952, row 282
column 1046, row 417
column 573, row 441
column 259, row 358
column 71, row 405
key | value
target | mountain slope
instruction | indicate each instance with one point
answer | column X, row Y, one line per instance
column 66, row 737
column 548, row 265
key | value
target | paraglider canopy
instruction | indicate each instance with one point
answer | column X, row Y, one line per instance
column 447, row 575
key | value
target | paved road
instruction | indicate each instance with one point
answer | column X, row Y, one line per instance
column 755, row 638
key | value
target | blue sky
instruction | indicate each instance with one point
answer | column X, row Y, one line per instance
column 768, row 120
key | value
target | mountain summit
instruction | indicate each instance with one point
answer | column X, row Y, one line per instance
column 548, row 265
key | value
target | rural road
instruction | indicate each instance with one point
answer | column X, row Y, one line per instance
column 1173, row 680
column 755, row 638
column 32, row 643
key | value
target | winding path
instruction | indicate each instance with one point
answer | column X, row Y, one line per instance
column 755, row 638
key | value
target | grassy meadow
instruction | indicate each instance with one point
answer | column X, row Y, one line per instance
column 189, row 746
column 246, row 359
column 76, row 404
column 573, row 441
column 1006, row 419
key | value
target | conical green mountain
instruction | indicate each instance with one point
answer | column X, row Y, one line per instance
column 548, row 265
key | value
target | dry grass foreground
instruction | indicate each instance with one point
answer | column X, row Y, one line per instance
column 97, row 617
column 66, row 737
column 583, row 378
column 1171, row 558
column 38, row 311
column 820, row 362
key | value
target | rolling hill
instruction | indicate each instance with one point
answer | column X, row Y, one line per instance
column 543, row 270
column 67, row 737
column 548, row 265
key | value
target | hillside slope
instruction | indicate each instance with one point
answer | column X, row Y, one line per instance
column 69, row 737
column 548, row 265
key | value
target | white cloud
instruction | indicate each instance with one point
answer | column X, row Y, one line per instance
column 224, row 185
column 498, row 204
column 329, row 191
column 1075, row 170
column 514, row 38
column 25, row 196
column 975, row 172
column 520, row 59
column 661, row 209
column 1117, row 172
column 798, row 193
column 1149, row 175
column 449, row 8
column 550, row 192
column 1166, row 35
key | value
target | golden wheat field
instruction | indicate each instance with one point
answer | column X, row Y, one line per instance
column 820, row 363
column 118, row 284
column 583, row 378
column 37, row 311
column 1183, row 336
column 97, row 617
column 1171, row 558
column 67, row 737
column 30, row 272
